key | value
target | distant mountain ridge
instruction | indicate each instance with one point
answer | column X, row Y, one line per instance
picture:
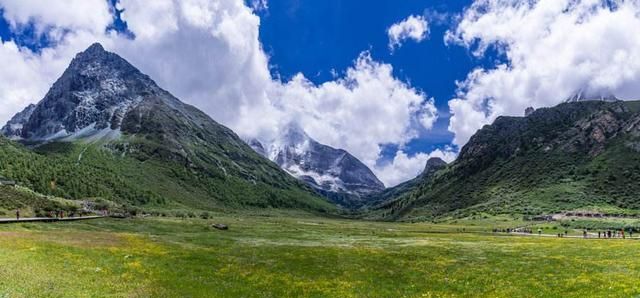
column 13, row 128
column 103, row 113
column 334, row 172
column 432, row 166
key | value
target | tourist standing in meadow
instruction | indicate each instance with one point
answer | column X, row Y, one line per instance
column 17, row 214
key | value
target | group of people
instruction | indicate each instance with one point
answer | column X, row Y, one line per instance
column 52, row 214
column 601, row 234
column 614, row 234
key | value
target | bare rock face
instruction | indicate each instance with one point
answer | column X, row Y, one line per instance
column 596, row 130
column 94, row 93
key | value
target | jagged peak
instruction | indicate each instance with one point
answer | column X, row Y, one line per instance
column 94, row 51
column 95, row 48
column 293, row 133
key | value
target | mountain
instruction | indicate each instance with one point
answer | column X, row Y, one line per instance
column 333, row 172
column 583, row 95
column 578, row 155
column 13, row 128
column 105, row 129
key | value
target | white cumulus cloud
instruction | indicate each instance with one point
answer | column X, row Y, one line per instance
column 413, row 27
column 92, row 15
column 551, row 49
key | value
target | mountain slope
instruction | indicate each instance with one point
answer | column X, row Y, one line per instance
column 391, row 194
column 575, row 155
column 142, row 145
column 333, row 172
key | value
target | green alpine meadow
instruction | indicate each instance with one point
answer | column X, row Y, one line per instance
column 283, row 148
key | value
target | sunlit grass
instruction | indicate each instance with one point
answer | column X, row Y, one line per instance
column 304, row 256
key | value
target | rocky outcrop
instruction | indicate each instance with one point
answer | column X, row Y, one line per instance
column 433, row 165
column 528, row 111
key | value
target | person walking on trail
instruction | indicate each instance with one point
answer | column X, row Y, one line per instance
column 584, row 234
column 622, row 233
column 539, row 232
column 17, row 214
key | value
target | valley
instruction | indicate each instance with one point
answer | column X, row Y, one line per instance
column 286, row 254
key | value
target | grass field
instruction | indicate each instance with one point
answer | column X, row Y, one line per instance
column 300, row 255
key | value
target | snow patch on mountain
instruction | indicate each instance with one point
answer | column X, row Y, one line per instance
column 91, row 134
column 583, row 95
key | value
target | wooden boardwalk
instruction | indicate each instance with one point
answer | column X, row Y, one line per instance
column 46, row 219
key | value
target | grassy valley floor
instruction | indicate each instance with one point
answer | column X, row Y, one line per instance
column 303, row 256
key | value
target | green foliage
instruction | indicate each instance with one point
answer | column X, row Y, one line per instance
column 78, row 171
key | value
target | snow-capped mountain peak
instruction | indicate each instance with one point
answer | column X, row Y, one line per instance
column 292, row 140
column 583, row 95
column 321, row 166
column 91, row 97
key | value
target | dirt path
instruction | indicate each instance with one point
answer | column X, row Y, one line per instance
column 45, row 219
